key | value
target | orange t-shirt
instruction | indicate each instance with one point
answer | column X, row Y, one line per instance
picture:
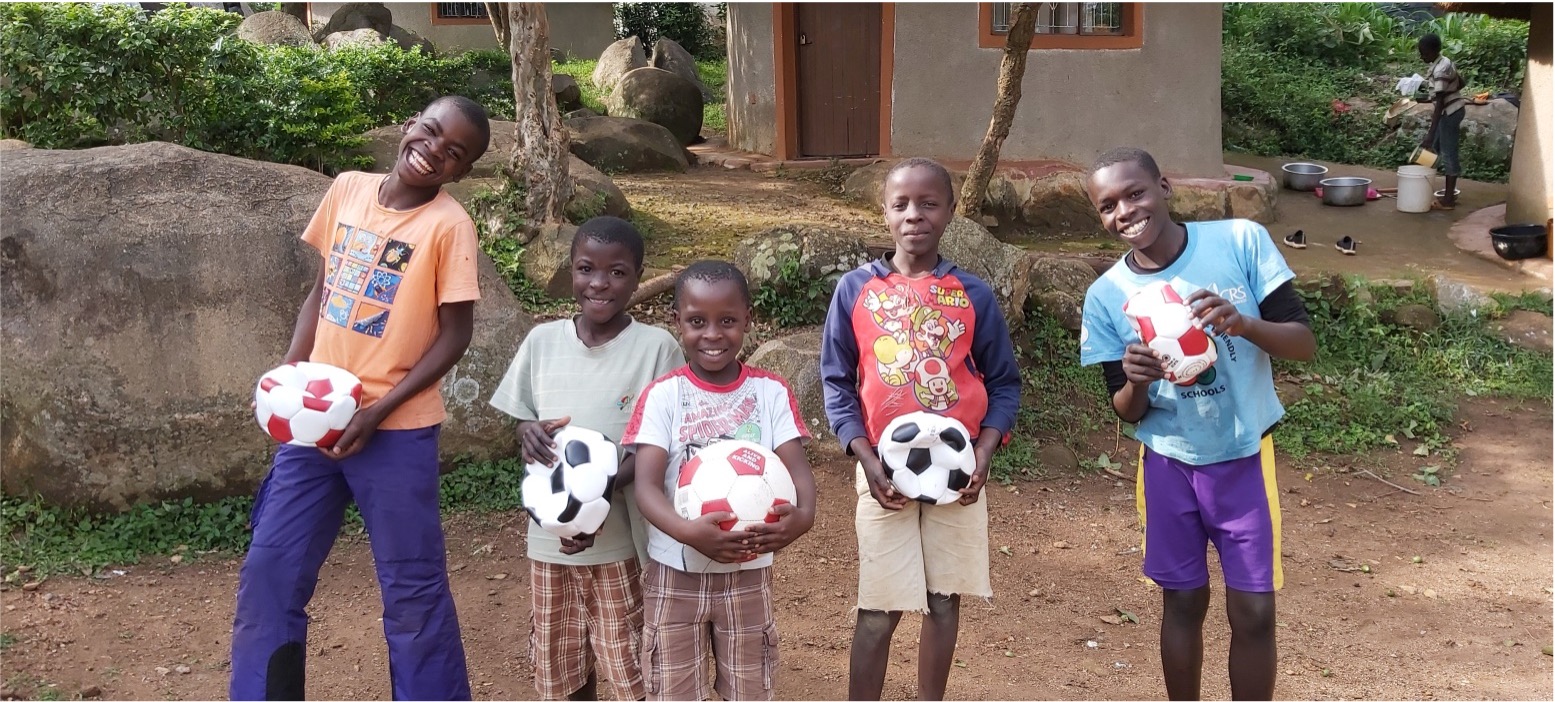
column 386, row 272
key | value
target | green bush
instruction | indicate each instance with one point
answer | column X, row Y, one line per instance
column 791, row 299
column 1287, row 68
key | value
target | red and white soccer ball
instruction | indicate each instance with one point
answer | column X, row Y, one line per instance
column 1165, row 323
column 307, row 404
column 734, row 476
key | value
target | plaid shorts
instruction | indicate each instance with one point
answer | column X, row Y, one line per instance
column 689, row 616
column 575, row 606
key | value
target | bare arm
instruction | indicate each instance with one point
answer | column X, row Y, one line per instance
column 702, row 533
column 793, row 520
column 307, row 323
column 455, row 325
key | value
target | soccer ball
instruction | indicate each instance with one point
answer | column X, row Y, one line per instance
column 571, row 497
column 734, row 476
column 928, row 456
column 1165, row 323
column 306, row 404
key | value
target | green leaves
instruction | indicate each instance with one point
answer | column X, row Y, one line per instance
column 792, row 299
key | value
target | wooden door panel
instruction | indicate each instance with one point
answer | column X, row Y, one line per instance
column 838, row 78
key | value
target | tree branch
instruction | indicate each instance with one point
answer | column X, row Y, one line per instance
column 1012, row 69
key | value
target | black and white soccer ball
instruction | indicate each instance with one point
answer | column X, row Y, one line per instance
column 928, row 457
column 571, row 497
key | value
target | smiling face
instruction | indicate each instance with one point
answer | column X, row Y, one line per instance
column 604, row 276
column 712, row 318
column 918, row 207
column 1132, row 203
column 439, row 147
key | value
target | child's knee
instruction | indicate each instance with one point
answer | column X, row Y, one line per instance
column 1251, row 614
column 941, row 606
column 875, row 623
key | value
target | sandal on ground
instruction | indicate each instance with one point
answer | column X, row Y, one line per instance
column 1297, row 240
column 1439, row 205
column 1346, row 246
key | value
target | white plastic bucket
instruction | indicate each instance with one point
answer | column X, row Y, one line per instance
column 1414, row 188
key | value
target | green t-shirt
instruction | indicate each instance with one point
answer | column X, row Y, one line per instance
column 554, row 375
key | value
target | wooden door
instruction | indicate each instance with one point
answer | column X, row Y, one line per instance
column 838, row 78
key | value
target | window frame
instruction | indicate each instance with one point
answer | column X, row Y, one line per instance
column 1133, row 36
column 438, row 19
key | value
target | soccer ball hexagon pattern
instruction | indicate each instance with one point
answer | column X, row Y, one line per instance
column 739, row 477
column 928, row 457
column 1165, row 323
column 306, row 404
column 571, row 497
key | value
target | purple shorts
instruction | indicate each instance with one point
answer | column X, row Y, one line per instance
column 1233, row 504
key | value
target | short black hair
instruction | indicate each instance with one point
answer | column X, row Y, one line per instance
column 472, row 111
column 929, row 163
column 611, row 230
column 711, row 271
column 1431, row 42
column 1125, row 154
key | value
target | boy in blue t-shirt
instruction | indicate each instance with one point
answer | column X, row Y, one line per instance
column 1206, row 471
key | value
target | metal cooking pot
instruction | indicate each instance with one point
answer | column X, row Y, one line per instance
column 1345, row 192
column 1303, row 176
column 1519, row 241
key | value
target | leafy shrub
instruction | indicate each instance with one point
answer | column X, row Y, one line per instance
column 792, row 299
column 685, row 22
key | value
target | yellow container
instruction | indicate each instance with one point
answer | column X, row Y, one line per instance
column 1423, row 156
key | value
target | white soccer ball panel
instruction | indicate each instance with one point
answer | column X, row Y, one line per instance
column 285, row 401
column 586, row 482
column 750, row 498
column 308, row 427
column 591, row 516
column 712, row 479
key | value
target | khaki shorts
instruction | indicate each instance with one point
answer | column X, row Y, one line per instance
column 689, row 617
column 580, row 612
column 906, row 554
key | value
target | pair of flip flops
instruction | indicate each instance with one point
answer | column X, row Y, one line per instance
column 1298, row 240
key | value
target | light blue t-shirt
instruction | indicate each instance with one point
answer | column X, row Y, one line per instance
column 1225, row 413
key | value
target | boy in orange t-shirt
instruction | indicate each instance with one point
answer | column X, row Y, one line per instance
column 393, row 303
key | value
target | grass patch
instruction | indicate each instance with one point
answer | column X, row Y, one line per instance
column 1374, row 382
column 50, row 540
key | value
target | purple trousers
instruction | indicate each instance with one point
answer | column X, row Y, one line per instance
column 297, row 516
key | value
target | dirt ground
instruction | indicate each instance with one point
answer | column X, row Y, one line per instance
column 1471, row 620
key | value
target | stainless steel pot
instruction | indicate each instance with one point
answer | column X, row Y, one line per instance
column 1345, row 192
column 1303, row 176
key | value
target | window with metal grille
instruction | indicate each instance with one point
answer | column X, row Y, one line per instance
column 461, row 10
column 1083, row 18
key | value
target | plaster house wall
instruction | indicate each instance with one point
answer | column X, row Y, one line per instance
column 1532, row 181
column 1163, row 97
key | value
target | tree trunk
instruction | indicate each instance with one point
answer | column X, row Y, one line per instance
column 497, row 12
column 537, row 168
column 1012, row 70
column 298, row 10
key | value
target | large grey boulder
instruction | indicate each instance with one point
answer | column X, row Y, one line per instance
column 354, row 37
column 360, row 15
column 669, row 55
column 660, row 97
column 547, row 259
column 1004, row 267
column 816, row 252
column 408, row 40
column 1057, row 287
column 622, row 145
column 797, row 358
column 618, row 59
column 593, row 192
column 273, row 27
column 145, row 289
column 569, row 96
column 1525, row 329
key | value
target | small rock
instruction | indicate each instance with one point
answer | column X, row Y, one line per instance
column 161, row 670
column 29, row 587
column 91, row 691
column 1430, row 593
column 498, row 576
column 1034, row 592
column 177, row 559
column 182, row 669
column 1061, row 544
column 1408, row 589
